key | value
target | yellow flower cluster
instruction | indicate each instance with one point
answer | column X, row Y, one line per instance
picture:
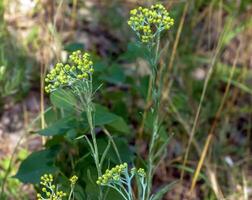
column 46, row 179
column 148, row 22
column 49, row 189
column 57, row 196
column 140, row 171
column 80, row 67
column 112, row 174
column 73, row 180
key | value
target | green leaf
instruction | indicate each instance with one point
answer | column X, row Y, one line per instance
column 113, row 121
column 37, row 164
column 74, row 47
column 124, row 151
column 114, row 75
column 63, row 99
column 59, row 127
column 79, row 192
column 142, row 88
column 113, row 195
column 119, row 125
column 92, row 190
column 134, row 51
column 103, row 116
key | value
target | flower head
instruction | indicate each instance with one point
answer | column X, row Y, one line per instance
column 80, row 67
column 141, row 172
column 73, row 180
column 113, row 174
column 148, row 22
column 46, row 179
column 49, row 190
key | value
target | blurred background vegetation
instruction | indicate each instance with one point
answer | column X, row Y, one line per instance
column 207, row 93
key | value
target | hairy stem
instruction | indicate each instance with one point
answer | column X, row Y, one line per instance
column 156, row 100
column 95, row 147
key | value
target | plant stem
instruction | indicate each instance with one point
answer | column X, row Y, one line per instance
column 86, row 100
column 156, row 100
column 71, row 193
column 96, row 152
column 129, row 186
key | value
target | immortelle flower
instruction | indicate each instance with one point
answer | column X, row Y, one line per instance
column 73, row 180
column 120, row 179
column 79, row 67
column 49, row 190
column 112, row 175
column 149, row 22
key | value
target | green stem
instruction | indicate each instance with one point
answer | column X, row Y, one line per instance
column 129, row 185
column 71, row 192
column 91, row 126
column 95, row 147
column 86, row 100
column 143, row 188
column 156, row 100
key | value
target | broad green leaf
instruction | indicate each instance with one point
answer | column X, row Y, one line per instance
column 119, row 125
column 37, row 164
column 113, row 121
column 103, row 116
column 114, row 75
column 92, row 190
column 134, row 51
column 113, row 195
column 79, row 192
column 63, row 99
column 59, row 127
column 74, row 46
column 124, row 151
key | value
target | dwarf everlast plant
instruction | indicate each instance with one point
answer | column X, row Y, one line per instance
column 148, row 24
column 77, row 75
column 120, row 179
column 50, row 191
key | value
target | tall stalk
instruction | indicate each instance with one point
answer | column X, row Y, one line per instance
column 155, row 90
column 148, row 23
column 85, row 93
column 77, row 74
column 95, row 147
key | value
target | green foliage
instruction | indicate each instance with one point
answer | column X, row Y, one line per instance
column 63, row 99
column 37, row 164
column 10, row 186
column 96, row 129
column 74, row 47
column 15, row 66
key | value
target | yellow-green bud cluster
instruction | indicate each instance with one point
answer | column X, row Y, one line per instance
column 46, row 179
column 80, row 67
column 73, row 180
column 113, row 174
column 51, row 196
column 147, row 22
column 140, row 171
column 50, row 191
